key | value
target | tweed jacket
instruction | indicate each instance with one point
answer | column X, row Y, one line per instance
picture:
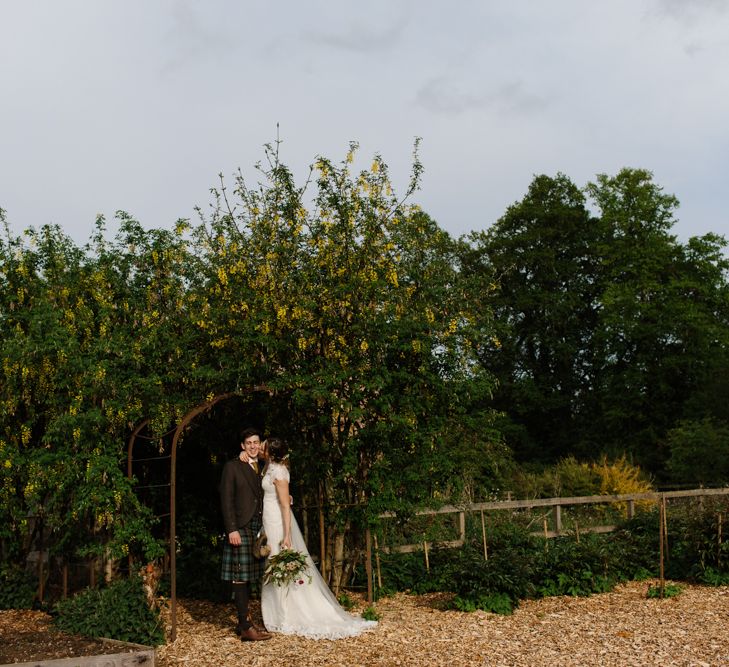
column 241, row 495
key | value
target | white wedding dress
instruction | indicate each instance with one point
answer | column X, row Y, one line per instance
column 308, row 609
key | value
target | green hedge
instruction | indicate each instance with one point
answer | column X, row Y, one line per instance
column 17, row 588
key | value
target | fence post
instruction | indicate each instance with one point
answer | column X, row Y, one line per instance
column 483, row 532
column 665, row 527
column 718, row 541
column 661, row 537
column 558, row 519
column 368, row 565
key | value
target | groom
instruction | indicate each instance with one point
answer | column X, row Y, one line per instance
column 241, row 500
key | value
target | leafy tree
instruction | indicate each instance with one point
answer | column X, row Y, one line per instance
column 662, row 317
column 543, row 255
column 699, row 452
column 608, row 329
column 350, row 308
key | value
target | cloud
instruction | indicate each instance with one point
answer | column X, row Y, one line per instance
column 193, row 37
column 691, row 10
column 362, row 38
column 442, row 95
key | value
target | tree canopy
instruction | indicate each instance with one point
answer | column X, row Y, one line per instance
column 405, row 366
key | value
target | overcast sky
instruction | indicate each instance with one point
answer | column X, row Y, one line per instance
column 139, row 104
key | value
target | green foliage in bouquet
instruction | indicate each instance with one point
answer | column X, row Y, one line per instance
column 286, row 567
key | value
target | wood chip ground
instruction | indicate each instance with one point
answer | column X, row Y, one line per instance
column 621, row 628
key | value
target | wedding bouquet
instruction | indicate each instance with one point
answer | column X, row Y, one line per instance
column 286, row 567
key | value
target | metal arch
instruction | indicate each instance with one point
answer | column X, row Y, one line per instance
column 130, row 447
column 184, row 423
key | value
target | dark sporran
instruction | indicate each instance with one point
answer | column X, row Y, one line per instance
column 261, row 548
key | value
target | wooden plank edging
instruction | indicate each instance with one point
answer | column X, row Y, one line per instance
column 143, row 656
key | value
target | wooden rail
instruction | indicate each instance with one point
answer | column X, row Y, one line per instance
column 555, row 503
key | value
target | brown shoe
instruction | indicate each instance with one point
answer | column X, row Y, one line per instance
column 238, row 629
column 253, row 635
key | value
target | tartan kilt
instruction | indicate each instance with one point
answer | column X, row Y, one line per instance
column 238, row 562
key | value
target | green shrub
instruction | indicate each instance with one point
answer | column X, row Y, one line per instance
column 635, row 547
column 569, row 567
column 497, row 603
column 669, row 591
column 119, row 611
column 345, row 601
column 522, row 566
column 17, row 588
column 712, row 577
column 370, row 614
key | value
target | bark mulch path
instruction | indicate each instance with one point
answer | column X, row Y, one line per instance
column 618, row 629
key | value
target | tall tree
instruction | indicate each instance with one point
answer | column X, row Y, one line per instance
column 543, row 257
column 662, row 317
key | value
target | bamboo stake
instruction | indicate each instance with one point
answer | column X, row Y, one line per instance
column 546, row 535
column 718, row 541
column 665, row 528
column 427, row 561
column 661, row 537
column 322, row 537
column 368, row 565
column 65, row 580
column 485, row 544
column 577, row 532
column 377, row 564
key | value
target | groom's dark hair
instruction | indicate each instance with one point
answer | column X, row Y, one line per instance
column 247, row 432
column 278, row 450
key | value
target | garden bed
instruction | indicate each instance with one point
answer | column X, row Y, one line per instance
column 621, row 628
column 29, row 638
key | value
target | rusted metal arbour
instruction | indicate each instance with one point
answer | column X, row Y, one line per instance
column 184, row 423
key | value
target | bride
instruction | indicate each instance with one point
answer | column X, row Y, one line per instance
column 310, row 610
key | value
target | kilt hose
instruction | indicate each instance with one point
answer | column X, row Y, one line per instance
column 238, row 562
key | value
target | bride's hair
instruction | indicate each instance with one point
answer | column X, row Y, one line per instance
column 278, row 450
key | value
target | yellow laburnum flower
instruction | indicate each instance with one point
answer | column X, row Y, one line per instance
column 417, row 346
column 364, row 346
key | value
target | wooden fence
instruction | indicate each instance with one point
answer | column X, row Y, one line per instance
column 553, row 505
